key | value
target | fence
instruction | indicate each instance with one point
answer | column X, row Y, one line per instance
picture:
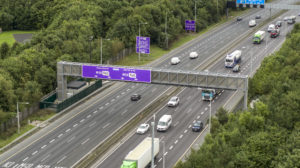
column 23, row 115
column 125, row 52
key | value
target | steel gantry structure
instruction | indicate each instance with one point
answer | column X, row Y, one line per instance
column 199, row 79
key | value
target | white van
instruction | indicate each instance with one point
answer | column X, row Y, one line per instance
column 271, row 27
column 164, row 123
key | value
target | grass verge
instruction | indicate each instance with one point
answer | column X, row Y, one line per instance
column 7, row 36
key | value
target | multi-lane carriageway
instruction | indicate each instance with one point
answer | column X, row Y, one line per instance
column 180, row 136
column 67, row 140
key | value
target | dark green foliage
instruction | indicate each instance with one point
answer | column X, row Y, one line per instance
column 267, row 136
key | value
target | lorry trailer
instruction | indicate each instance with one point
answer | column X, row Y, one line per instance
column 259, row 37
column 232, row 59
column 140, row 156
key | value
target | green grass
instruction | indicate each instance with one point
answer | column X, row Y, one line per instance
column 157, row 52
column 42, row 115
column 7, row 36
column 9, row 136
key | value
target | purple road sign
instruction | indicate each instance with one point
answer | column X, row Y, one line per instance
column 190, row 25
column 115, row 73
column 143, row 45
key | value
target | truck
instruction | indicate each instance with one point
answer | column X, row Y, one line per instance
column 232, row 59
column 140, row 156
column 259, row 37
column 209, row 94
column 291, row 20
column 274, row 33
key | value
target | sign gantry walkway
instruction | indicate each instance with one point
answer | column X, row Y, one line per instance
column 149, row 75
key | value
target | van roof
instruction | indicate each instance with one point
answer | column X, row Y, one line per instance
column 165, row 117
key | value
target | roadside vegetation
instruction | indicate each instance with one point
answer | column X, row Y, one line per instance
column 269, row 134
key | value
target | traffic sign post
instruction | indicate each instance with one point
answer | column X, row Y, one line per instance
column 190, row 25
column 143, row 45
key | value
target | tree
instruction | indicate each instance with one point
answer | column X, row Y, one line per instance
column 4, row 50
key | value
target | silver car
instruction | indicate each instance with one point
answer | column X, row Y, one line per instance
column 174, row 101
column 142, row 129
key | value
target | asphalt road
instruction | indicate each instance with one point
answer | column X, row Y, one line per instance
column 180, row 137
column 68, row 141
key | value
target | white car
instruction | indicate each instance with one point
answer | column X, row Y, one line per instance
column 143, row 128
column 174, row 101
column 252, row 23
column 286, row 18
column 193, row 55
column 175, row 60
column 271, row 27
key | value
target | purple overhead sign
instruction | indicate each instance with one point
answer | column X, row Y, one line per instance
column 190, row 25
column 143, row 45
column 115, row 73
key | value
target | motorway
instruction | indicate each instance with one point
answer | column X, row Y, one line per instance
column 180, row 137
column 69, row 140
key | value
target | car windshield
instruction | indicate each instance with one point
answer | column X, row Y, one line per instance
column 161, row 123
column 206, row 91
column 142, row 126
column 229, row 60
column 197, row 124
column 173, row 99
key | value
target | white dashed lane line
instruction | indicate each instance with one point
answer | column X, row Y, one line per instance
column 92, row 124
column 190, row 126
column 63, row 158
column 202, row 113
column 88, row 116
column 176, row 141
column 34, row 152
column 112, row 100
column 95, row 112
column 106, row 125
column 69, row 140
column 25, row 159
column 159, row 159
column 100, row 107
column 82, row 143
column 75, row 125
column 43, row 147
column 68, row 130
column 124, row 112
column 180, row 136
column 45, row 158
column 185, row 131
column 171, row 147
column 82, row 120
column 52, row 140
column 205, row 108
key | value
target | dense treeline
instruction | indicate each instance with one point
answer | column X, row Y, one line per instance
column 267, row 136
column 65, row 29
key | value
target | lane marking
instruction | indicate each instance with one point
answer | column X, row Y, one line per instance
column 124, row 112
column 95, row 112
column 185, row 131
column 106, row 125
column 118, row 96
column 190, row 126
column 112, row 100
column 88, row 116
column 92, row 124
column 61, row 159
column 101, row 108
column 43, row 147
column 34, row 152
column 75, row 125
column 180, row 136
column 176, row 123
column 205, row 108
column 123, row 93
column 52, row 140
column 160, row 160
column 69, row 140
column 85, row 141
column 45, row 158
column 166, row 153
column 68, row 130
column 176, row 141
column 82, row 120
column 202, row 113
column 25, row 159
column 60, row 135
column 106, row 104
column 171, row 147
column 194, row 121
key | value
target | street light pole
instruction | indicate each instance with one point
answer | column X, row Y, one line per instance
column 152, row 147
column 210, row 115
column 140, row 40
column 195, row 16
column 166, row 29
column 18, row 114
column 163, row 154
column 101, row 48
column 91, row 38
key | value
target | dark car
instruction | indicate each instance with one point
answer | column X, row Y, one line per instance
column 278, row 23
column 236, row 68
column 257, row 17
column 135, row 97
column 239, row 18
column 197, row 126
